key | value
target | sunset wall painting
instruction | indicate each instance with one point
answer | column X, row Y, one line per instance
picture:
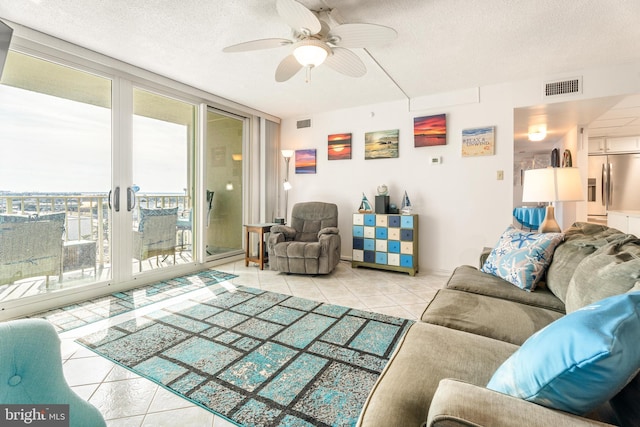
column 381, row 144
column 306, row 161
column 430, row 130
column 339, row 146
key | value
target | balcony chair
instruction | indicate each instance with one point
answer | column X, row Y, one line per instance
column 31, row 371
column 156, row 235
column 30, row 246
column 185, row 223
column 311, row 245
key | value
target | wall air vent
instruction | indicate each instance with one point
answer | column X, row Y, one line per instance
column 304, row 123
column 563, row 87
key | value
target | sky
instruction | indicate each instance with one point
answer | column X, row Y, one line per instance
column 51, row 144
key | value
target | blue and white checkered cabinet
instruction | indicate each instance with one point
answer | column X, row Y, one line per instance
column 386, row 241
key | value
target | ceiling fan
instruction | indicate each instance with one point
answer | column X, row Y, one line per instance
column 316, row 39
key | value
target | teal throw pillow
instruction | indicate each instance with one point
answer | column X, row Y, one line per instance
column 578, row 362
column 521, row 257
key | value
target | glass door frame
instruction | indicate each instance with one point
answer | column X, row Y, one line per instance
column 245, row 178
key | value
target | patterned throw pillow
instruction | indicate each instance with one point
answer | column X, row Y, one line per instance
column 521, row 258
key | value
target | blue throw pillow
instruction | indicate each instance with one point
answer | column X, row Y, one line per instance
column 578, row 362
column 521, row 257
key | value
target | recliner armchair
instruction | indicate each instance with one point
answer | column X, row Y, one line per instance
column 311, row 245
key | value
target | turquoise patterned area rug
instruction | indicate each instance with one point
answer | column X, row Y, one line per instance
column 259, row 358
column 76, row 315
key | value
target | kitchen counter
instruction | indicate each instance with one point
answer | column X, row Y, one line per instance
column 625, row 221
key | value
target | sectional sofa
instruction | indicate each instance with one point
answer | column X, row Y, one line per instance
column 482, row 341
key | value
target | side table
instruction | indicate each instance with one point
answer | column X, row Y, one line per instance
column 78, row 255
column 260, row 229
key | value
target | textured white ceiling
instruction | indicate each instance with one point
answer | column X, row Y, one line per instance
column 442, row 45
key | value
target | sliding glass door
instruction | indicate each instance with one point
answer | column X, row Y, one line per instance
column 223, row 181
column 108, row 181
column 161, row 196
column 55, row 174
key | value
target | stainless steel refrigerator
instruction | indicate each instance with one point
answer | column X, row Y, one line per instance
column 613, row 184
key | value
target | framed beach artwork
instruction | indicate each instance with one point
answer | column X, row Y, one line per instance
column 339, row 146
column 381, row 144
column 306, row 161
column 478, row 141
column 430, row 130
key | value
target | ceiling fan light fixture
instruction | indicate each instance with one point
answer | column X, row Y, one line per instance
column 311, row 52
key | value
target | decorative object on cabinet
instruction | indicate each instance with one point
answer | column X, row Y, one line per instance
column 551, row 185
column 365, row 206
column 386, row 241
column 406, row 206
column 566, row 159
column 339, row 146
column 478, row 141
column 306, row 161
column 555, row 158
column 382, row 199
column 381, row 144
column 430, row 130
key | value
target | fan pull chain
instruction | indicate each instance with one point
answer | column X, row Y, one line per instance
column 308, row 75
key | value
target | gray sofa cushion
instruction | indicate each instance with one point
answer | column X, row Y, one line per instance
column 469, row 279
column 611, row 270
column 580, row 240
column 428, row 353
column 496, row 318
column 458, row 404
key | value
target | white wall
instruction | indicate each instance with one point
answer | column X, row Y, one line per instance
column 462, row 206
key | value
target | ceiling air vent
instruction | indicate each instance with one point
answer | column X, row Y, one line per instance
column 304, row 123
column 563, row 87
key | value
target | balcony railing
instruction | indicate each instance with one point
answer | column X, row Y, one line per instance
column 87, row 216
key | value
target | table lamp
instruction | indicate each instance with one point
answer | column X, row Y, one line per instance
column 552, row 185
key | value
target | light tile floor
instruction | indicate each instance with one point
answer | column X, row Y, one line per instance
column 128, row 400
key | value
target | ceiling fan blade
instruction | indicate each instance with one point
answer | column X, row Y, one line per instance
column 298, row 17
column 360, row 35
column 257, row 45
column 346, row 62
column 288, row 68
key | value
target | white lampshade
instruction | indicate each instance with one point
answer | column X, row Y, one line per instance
column 310, row 52
column 552, row 185
column 287, row 154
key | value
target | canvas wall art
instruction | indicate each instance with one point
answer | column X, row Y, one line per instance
column 381, row 144
column 430, row 130
column 306, row 161
column 478, row 141
column 339, row 146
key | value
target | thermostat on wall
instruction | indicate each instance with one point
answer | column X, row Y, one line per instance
column 435, row 160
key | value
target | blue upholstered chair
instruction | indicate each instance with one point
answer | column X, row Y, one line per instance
column 31, row 371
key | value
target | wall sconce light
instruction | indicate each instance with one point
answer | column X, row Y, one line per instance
column 236, row 157
column 286, row 185
column 229, row 186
